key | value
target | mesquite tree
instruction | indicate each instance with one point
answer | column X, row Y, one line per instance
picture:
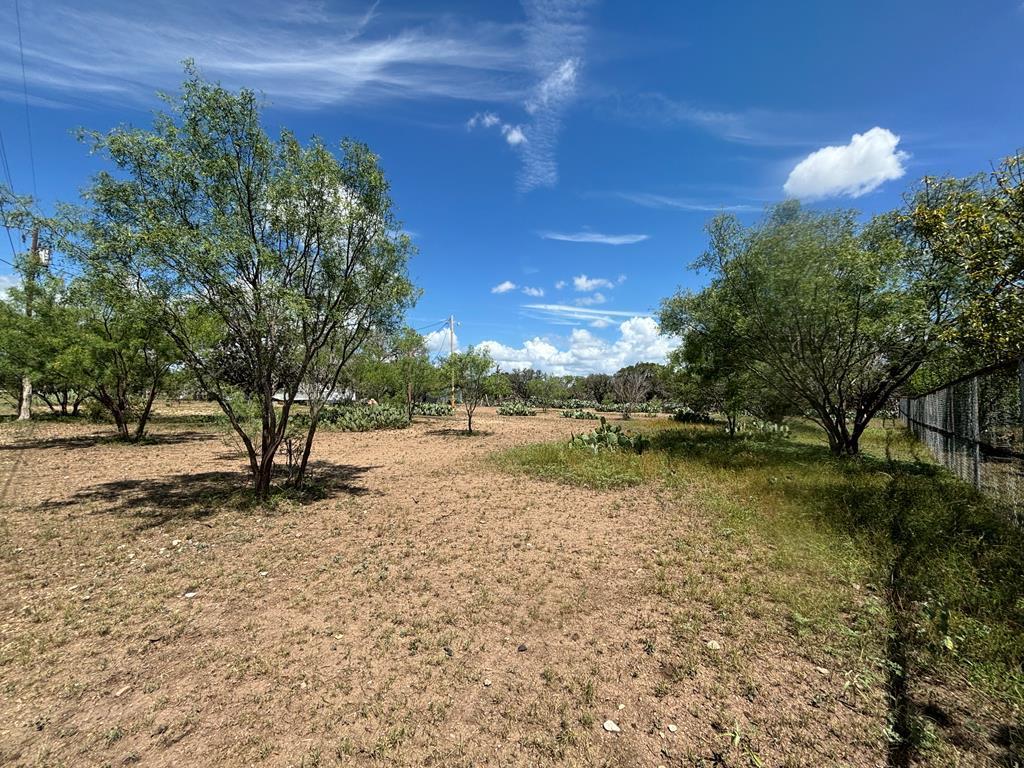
column 273, row 261
column 832, row 315
column 472, row 373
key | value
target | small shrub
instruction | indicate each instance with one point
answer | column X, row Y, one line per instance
column 575, row 404
column 686, row 416
column 653, row 407
column 578, row 413
column 769, row 429
column 363, row 418
column 433, row 409
column 610, row 438
column 516, row 409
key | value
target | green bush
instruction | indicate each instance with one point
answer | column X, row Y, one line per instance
column 610, row 438
column 653, row 407
column 578, row 414
column 516, row 409
column 433, row 409
column 686, row 416
column 769, row 429
column 363, row 418
column 575, row 404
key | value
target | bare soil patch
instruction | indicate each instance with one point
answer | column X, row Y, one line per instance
column 429, row 610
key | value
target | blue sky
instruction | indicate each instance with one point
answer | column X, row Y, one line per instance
column 554, row 160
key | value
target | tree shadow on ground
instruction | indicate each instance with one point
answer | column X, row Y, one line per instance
column 93, row 440
column 950, row 563
column 459, row 433
column 154, row 502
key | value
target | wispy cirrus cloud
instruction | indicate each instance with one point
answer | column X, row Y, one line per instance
column 301, row 54
column 555, row 34
column 754, row 126
column 594, row 237
column 653, row 200
column 569, row 314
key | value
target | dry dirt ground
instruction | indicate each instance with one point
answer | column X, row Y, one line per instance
column 430, row 610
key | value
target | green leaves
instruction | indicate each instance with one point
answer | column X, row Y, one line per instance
column 810, row 312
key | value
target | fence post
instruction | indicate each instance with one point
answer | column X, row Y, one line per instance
column 975, row 430
column 1020, row 382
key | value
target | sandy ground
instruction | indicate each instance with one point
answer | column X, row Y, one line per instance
column 431, row 610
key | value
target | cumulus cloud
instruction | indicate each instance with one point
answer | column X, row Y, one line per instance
column 534, row 292
column 591, row 300
column 6, row 282
column 438, row 345
column 560, row 285
column 504, row 287
column 513, row 134
column 585, row 284
column 853, row 169
column 485, row 119
column 639, row 340
column 594, row 237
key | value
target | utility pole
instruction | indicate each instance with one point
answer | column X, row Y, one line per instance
column 451, row 351
column 25, row 412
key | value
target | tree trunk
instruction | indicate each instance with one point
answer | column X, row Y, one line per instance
column 25, row 407
column 470, row 415
column 140, row 428
column 262, row 479
column 314, row 421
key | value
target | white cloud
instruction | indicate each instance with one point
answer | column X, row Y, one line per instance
column 6, row 282
column 639, row 340
column 592, row 300
column 560, row 285
column 594, row 237
column 438, row 344
column 535, row 292
column 651, row 200
column 303, row 55
column 513, row 134
column 504, row 287
column 485, row 119
column 854, row 169
column 567, row 314
column 555, row 34
column 586, row 284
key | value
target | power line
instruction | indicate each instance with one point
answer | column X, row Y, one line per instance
column 6, row 166
column 432, row 325
column 24, row 87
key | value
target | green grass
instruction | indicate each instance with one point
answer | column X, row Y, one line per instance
column 939, row 567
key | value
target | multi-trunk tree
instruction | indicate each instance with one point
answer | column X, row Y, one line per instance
column 832, row 315
column 272, row 261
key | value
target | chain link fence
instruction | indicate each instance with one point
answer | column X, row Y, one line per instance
column 975, row 427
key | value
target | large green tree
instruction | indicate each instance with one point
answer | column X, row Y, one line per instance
column 270, row 258
column 117, row 349
column 832, row 315
column 976, row 226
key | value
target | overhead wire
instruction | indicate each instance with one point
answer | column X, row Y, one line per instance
column 24, row 88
